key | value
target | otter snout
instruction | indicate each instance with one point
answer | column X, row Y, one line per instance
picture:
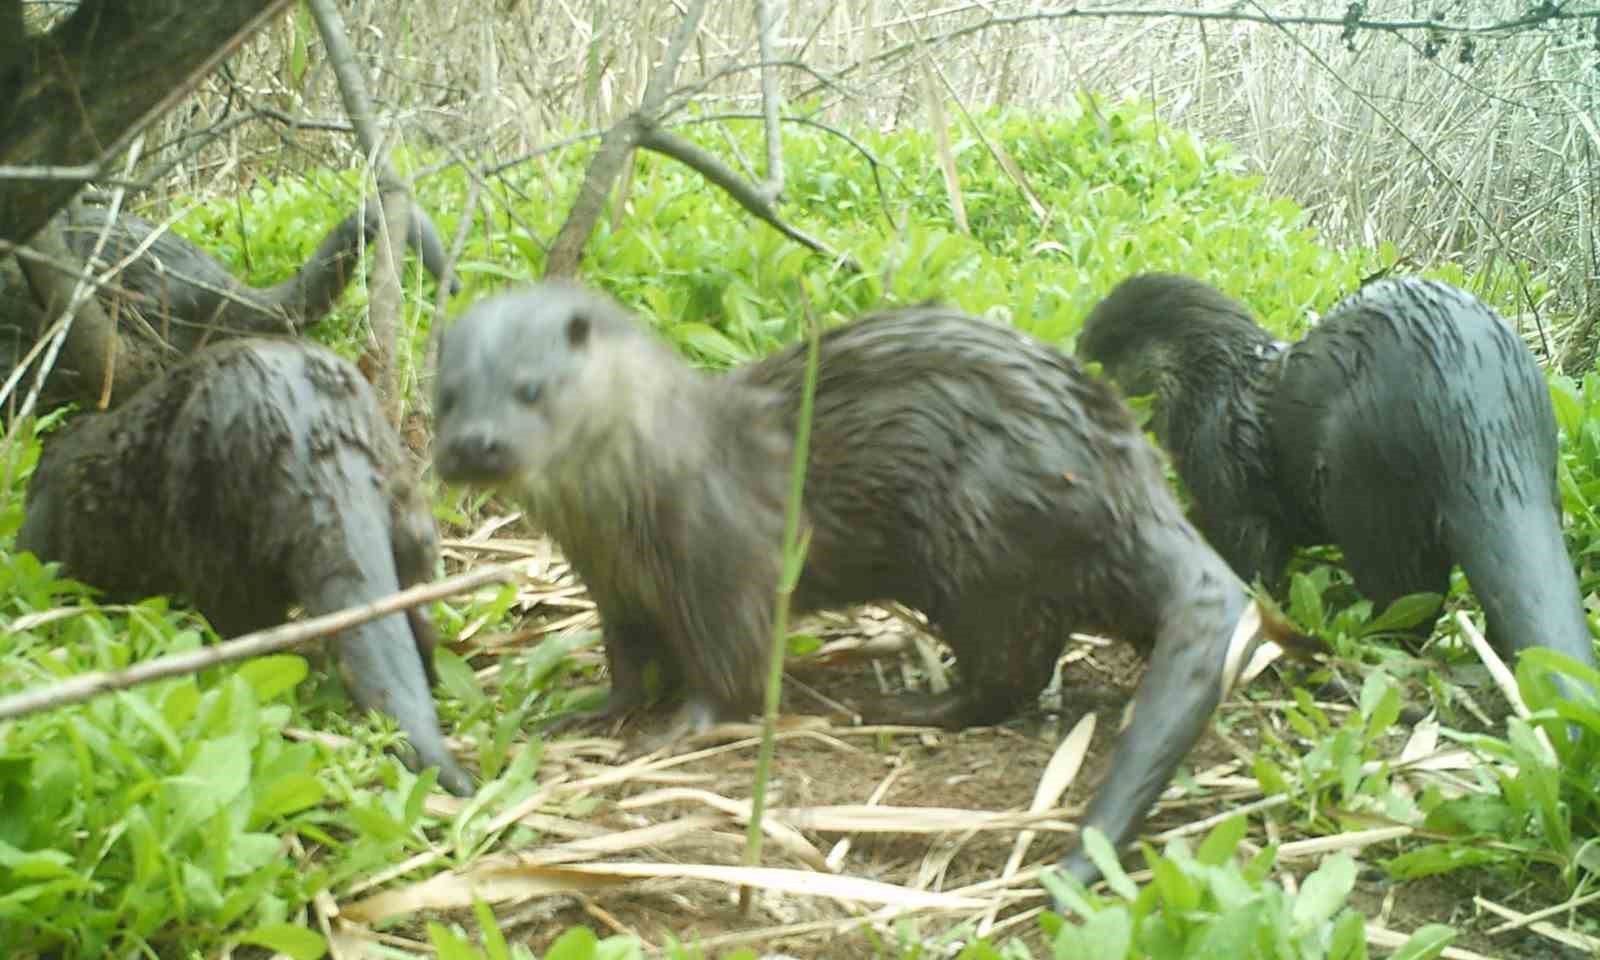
column 474, row 454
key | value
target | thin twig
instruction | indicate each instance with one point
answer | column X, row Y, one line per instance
column 85, row 686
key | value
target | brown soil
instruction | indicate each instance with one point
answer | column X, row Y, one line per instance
column 823, row 761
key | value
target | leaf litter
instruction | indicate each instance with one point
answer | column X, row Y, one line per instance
column 866, row 826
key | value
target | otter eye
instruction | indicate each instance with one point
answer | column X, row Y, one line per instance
column 528, row 393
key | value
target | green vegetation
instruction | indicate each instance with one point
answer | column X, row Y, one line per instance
column 179, row 817
column 1205, row 904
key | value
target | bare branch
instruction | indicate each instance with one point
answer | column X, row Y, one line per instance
column 567, row 250
column 86, row 686
column 743, row 193
column 384, row 298
column 1544, row 14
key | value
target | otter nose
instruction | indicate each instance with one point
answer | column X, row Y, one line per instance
column 473, row 453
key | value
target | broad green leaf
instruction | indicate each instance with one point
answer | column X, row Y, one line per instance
column 1111, row 932
column 218, row 774
column 250, row 852
column 1442, row 858
column 1349, row 939
column 578, row 943
column 1323, row 892
column 1406, row 612
column 1218, row 846
column 1104, row 856
column 1232, row 933
column 288, row 793
column 289, row 939
column 271, row 675
column 449, row 944
column 1426, row 942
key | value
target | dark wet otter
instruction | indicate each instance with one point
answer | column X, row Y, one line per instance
column 956, row 466
column 1411, row 428
column 181, row 295
column 256, row 475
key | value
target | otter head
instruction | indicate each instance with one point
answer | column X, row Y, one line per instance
column 522, row 382
column 1155, row 332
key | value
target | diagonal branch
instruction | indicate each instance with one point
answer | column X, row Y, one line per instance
column 744, row 193
column 567, row 249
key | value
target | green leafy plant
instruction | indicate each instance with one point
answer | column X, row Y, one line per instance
column 1341, row 770
column 142, row 821
column 1541, row 802
column 1205, row 904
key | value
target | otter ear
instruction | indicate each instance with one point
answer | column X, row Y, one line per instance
column 578, row 329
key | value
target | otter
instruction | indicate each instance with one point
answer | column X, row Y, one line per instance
column 187, row 295
column 253, row 476
column 1411, row 428
column 187, row 299
column 956, row 465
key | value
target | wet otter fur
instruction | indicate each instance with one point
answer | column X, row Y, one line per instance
column 254, row 476
column 176, row 293
column 956, row 466
column 1411, row 428
column 187, row 296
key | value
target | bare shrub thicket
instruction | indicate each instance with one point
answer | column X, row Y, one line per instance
column 1484, row 158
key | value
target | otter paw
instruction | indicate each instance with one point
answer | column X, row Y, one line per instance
column 615, row 712
column 455, row 779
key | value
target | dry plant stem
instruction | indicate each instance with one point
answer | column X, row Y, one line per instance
column 794, row 551
column 88, row 685
column 384, row 303
column 947, row 160
column 1544, row 15
column 1485, row 221
column 767, row 17
column 567, row 250
column 936, row 109
column 458, row 243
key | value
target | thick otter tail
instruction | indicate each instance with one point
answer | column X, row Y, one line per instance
column 382, row 662
column 186, row 293
column 1207, row 630
column 1517, row 564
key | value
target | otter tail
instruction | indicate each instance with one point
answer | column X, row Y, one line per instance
column 308, row 295
column 1519, row 570
column 381, row 661
column 1188, row 673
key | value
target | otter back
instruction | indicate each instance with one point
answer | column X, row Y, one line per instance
column 255, row 476
column 956, row 466
column 1411, row 428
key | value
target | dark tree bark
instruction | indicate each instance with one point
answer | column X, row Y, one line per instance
column 76, row 94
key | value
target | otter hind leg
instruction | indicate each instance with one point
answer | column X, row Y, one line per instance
column 1005, row 657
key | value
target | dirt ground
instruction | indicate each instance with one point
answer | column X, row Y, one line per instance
column 822, row 761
